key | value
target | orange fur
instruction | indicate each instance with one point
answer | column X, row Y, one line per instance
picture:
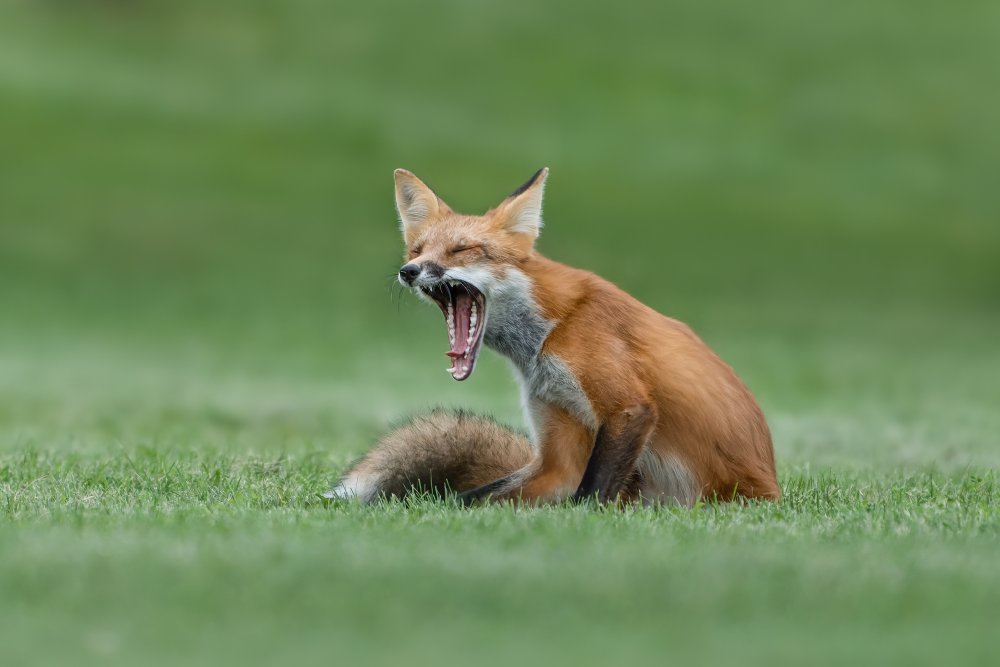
column 618, row 372
column 626, row 353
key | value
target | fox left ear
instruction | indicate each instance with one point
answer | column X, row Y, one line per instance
column 521, row 212
column 416, row 202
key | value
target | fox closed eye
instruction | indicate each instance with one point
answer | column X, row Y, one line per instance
column 463, row 248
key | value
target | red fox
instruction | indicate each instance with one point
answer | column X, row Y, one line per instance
column 622, row 403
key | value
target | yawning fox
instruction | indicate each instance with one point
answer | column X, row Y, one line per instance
column 621, row 402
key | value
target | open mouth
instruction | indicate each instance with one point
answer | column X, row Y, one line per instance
column 464, row 309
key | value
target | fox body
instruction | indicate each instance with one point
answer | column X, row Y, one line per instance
column 621, row 402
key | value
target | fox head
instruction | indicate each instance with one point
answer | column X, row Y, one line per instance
column 465, row 262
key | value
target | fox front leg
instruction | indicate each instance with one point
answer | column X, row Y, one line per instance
column 555, row 472
column 497, row 490
column 617, row 447
column 536, row 483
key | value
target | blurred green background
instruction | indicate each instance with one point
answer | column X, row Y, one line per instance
column 813, row 188
column 197, row 233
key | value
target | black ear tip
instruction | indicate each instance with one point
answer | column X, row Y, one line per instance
column 528, row 183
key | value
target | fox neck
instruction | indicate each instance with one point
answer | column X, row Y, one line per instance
column 517, row 324
column 532, row 301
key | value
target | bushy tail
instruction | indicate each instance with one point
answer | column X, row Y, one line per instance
column 442, row 451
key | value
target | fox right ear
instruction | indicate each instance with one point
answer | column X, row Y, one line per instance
column 521, row 211
column 415, row 202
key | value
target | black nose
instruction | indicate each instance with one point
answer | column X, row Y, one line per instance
column 409, row 273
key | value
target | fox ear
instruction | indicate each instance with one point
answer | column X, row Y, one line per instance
column 521, row 212
column 415, row 202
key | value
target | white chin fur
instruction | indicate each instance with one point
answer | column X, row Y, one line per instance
column 479, row 277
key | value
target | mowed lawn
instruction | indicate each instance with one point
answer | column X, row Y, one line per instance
column 198, row 326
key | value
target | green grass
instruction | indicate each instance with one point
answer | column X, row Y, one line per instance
column 197, row 335
column 169, row 556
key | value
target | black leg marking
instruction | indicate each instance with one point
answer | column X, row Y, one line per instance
column 616, row 449
column 473, row 496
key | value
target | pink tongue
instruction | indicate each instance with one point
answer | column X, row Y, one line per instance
column 463, row 312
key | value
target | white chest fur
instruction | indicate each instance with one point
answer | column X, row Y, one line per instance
column 516, row 329
column 550, row 381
